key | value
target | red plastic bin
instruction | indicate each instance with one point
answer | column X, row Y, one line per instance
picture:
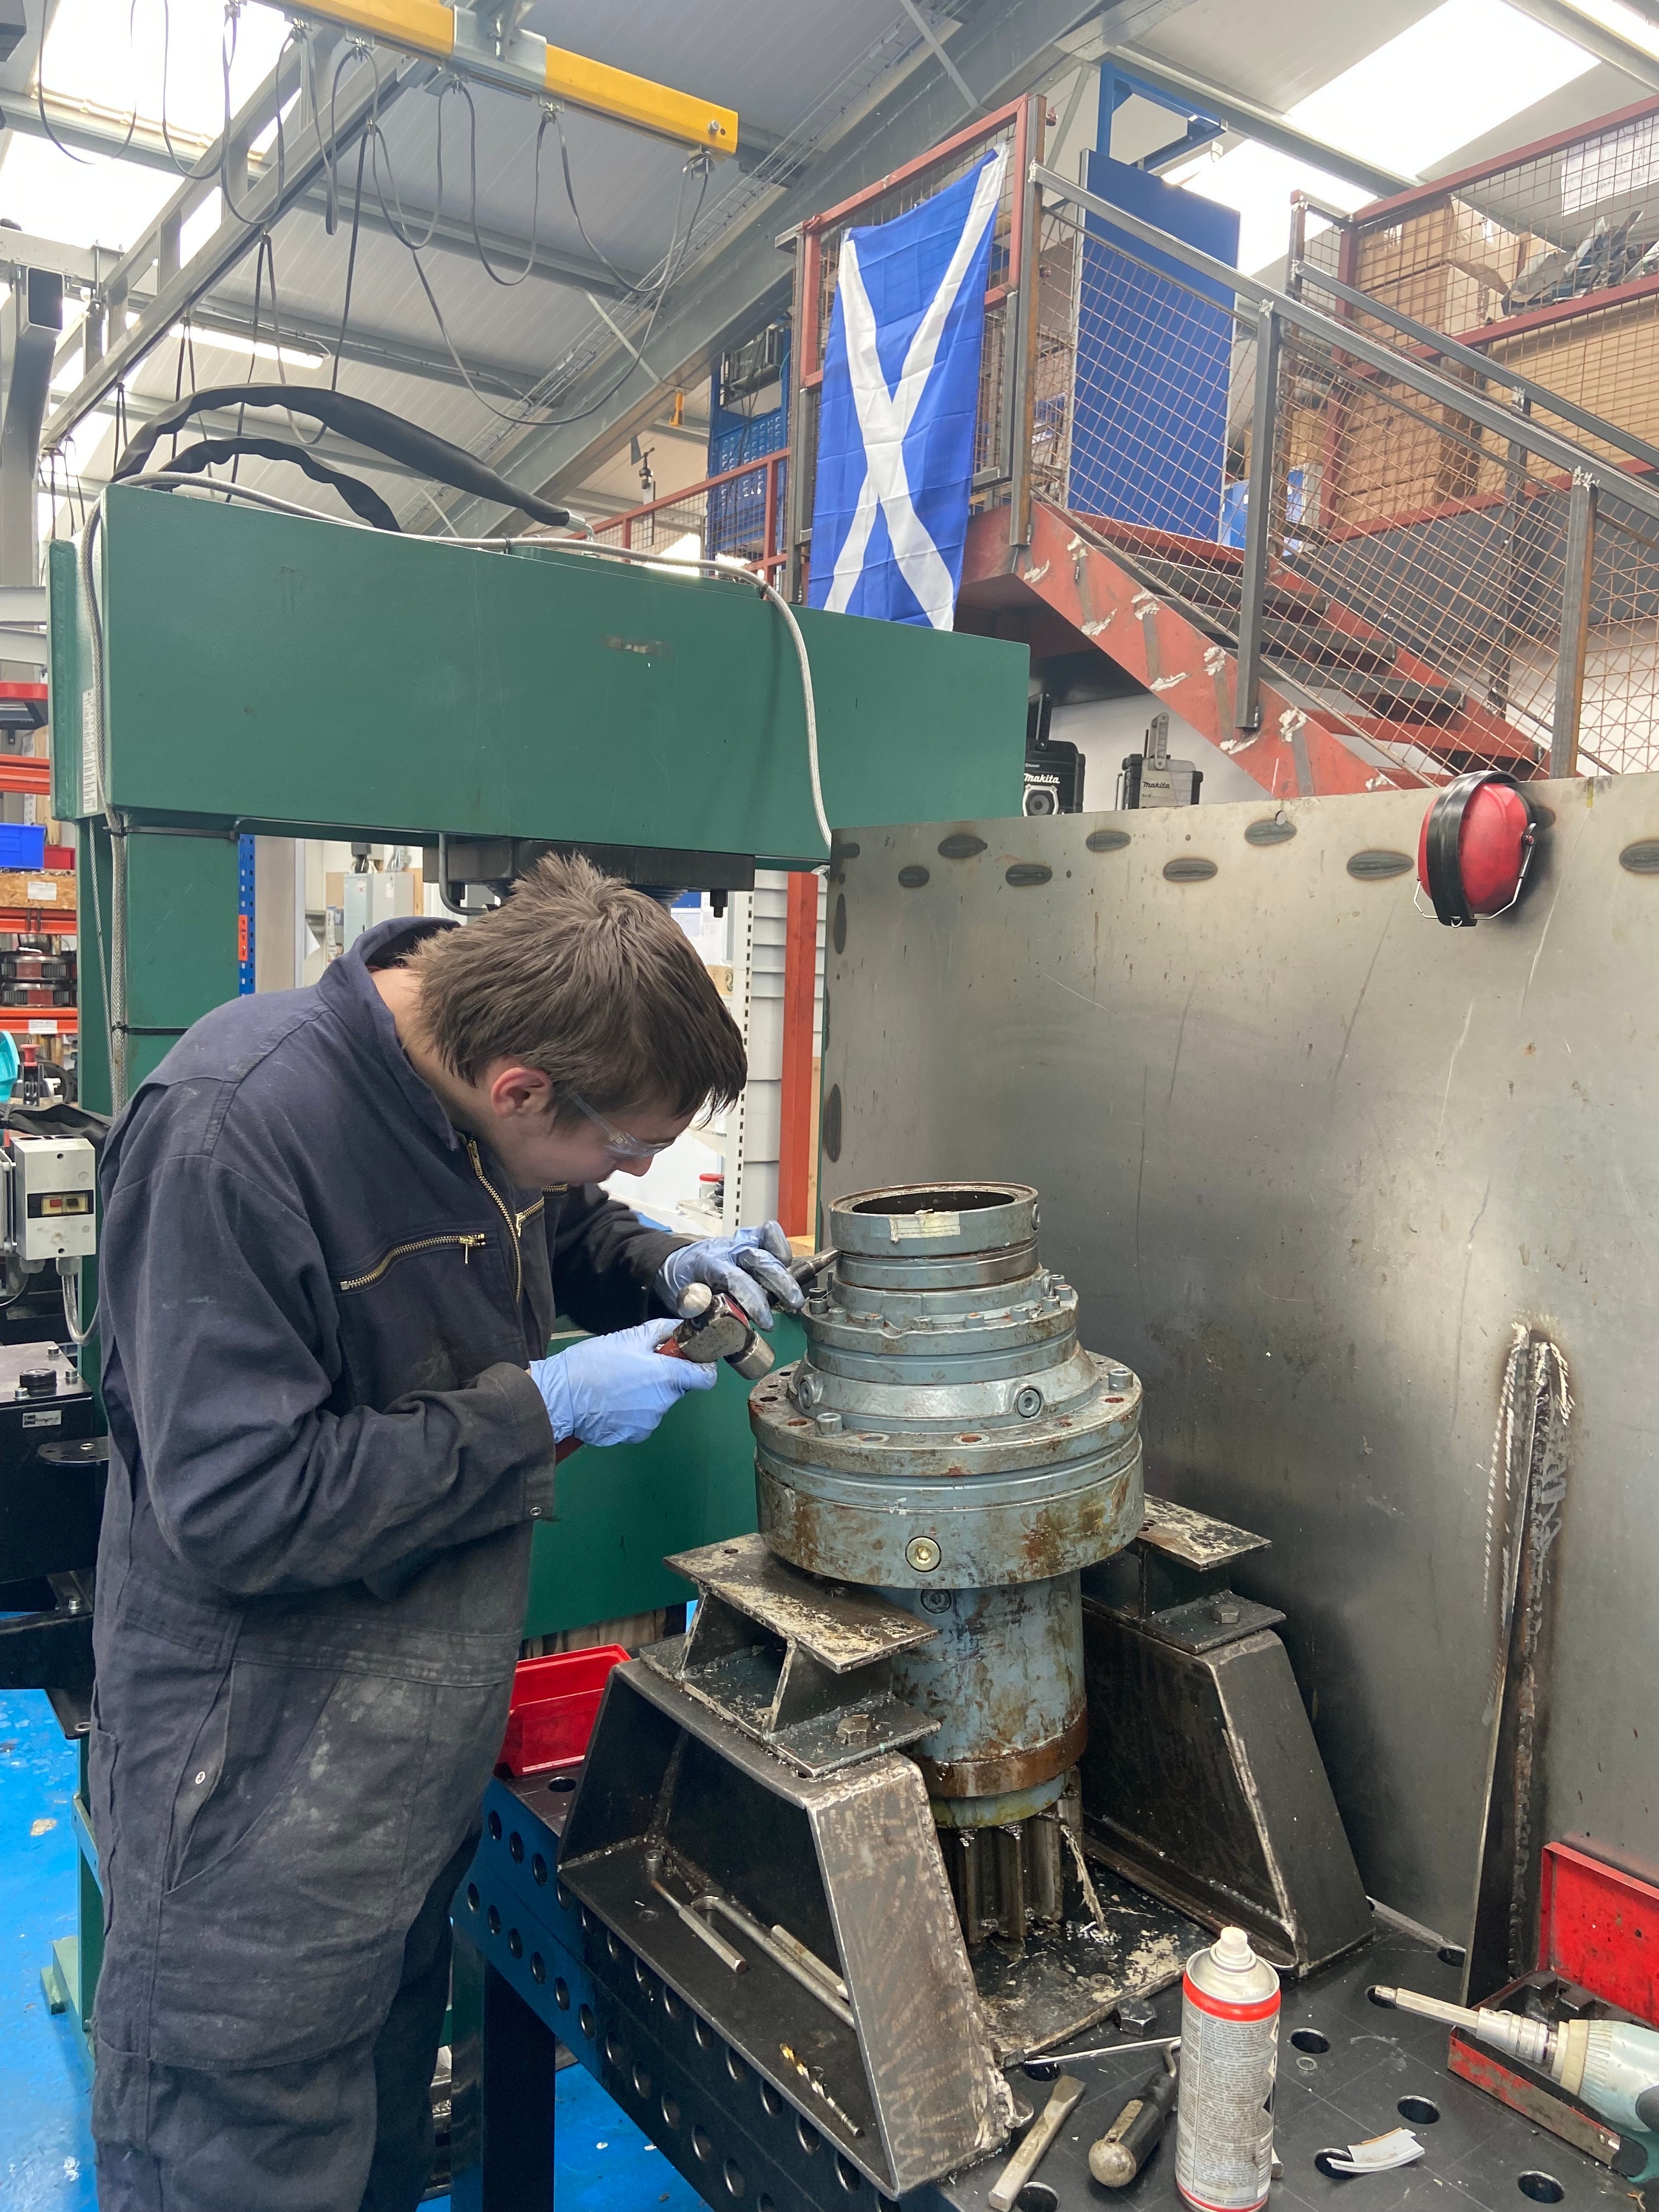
column 555, row 1702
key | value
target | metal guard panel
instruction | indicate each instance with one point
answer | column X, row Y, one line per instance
column 1308, row 1159
column 264, row 667
column 937, row 2097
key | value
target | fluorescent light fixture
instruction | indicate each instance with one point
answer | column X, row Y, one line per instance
column 209, row 335
column 1613, row 15
column 1451, row 77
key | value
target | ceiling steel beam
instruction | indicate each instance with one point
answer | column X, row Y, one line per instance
column 451, row 235
column 160, row 246
column 1595, row 37
column 487, row 43
column 178, row 290
column 17, row 71
column 554, row 265
column 1005, row 47
column 1265, row 124
column 93, row 130
column 370, row 349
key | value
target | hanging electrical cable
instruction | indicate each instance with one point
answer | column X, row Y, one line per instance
column 351, row 266
column 87, row 160
column 184, row 169
column 629, row 289
column 378, row 144
column 484, row 261
column 671, row 265
column 227, row 62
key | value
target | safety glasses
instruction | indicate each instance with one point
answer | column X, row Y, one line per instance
column 621, row 1144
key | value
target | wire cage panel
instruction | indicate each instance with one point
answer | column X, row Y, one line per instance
column 1153, row 366
column 1545, row 258
column 737, row 516
column 1001, row 437
column 1420, row 575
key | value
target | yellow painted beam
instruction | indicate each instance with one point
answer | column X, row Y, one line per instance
column 426, row 26
column 610, row 91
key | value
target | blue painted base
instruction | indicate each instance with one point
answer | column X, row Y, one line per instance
column 45, row 2147
column 602, row 2162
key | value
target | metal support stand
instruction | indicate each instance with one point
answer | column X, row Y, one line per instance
column 1252, row 579
column 1577, row 569
column 501, row 2114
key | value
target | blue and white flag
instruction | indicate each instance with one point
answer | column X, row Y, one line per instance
column 900, row 396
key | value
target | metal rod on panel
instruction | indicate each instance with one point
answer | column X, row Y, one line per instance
column 1020, row 331
column 801, row 957
column 1577, row 569
column 1253, row 577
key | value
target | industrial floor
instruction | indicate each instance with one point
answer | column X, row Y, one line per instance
column 605, row 2163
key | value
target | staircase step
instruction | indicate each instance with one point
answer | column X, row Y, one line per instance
column 1322, row 647
column 1219, row 587
column 1398, row 700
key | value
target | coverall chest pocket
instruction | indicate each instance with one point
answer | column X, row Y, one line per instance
column 424, row 1311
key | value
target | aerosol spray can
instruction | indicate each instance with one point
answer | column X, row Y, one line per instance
column 1229, row 2057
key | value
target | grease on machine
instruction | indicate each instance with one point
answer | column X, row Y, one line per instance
column 969, row 1743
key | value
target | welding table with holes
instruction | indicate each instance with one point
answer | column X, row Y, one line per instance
column 528, row 1969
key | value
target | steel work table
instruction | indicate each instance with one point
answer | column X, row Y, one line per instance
column 524, row 1973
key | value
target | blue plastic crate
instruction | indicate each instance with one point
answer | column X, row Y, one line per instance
column 22, row 845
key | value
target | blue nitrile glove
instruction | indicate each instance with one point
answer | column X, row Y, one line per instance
column 615, row 1390
column 750, row 1266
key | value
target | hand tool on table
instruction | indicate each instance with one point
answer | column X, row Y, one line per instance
column 1613, row 2065
column 1116, row 2157
column 1062, row 2102
column 1044, row 2069
column 714, row 1326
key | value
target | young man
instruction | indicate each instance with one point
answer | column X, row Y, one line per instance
column 337, row 1224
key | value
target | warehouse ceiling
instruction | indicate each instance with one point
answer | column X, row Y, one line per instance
column 551, row 291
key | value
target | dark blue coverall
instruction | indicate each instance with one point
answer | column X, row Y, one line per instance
column 319, row 1299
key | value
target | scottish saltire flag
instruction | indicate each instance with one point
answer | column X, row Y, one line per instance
column 900, row 393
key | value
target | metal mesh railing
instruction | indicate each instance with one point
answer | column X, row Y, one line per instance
column 737, row 516
column 999, row 447
column 918, row 183
column 1547, row 259
column 1432, row 582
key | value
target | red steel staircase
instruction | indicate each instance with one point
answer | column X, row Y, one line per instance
column 1336, row 689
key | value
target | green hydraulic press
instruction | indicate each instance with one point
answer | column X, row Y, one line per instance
column 220, row 669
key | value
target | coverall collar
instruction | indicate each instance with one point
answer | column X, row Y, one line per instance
column 347, row 988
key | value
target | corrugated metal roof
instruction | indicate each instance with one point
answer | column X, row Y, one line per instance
column 1277, row 52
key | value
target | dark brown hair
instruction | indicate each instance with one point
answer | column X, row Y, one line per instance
column 592, row 982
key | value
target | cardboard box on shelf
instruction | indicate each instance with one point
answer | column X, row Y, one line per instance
column 20, row 887
column 1390, row 461
column 1447, row 234
column 1445, row 299
column 1607, row 359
